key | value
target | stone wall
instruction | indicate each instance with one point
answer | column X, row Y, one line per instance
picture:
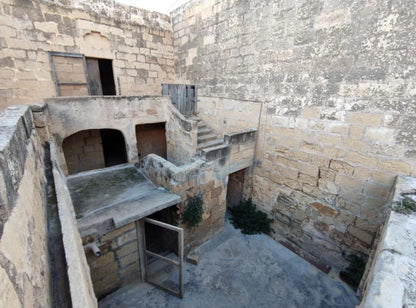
column 336, row 80
column 139, row 42
column 24, row 262
column 206, row 177
column 181, row 137
column 83, row 151
column 71, row 115
column 390, row 280
column 80, row 284
column 229, row 115
column 119, row 260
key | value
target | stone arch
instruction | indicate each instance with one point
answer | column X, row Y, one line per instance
column 94, row 149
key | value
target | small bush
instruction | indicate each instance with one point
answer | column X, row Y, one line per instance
column 354, row 272
column 249, row 220
column 193, row 212
column 406, row 206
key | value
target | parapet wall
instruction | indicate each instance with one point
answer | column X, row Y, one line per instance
column 139, row 42
column 24, row 258
column 80, row 283
column 338, row 116
column 390, row 280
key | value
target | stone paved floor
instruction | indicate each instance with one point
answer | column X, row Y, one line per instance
column 239, row 270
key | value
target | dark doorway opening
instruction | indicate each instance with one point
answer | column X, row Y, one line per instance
column 151, row 138
column 101, row 77
column 235, row 188
column 94, row 149
column 107, row 76
column 161, row 240
column 114, row 147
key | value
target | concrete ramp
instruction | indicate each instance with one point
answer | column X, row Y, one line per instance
column 109, row 198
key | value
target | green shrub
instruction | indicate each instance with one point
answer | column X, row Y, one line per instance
column 192, row 215
column 406, row 206
column 249, row 220
column 354, row 272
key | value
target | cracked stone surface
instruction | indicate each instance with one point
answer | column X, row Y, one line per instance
column 238, row 270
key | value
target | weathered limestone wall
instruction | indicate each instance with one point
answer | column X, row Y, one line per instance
column 391, row 281
column 139, row 42
column 207, row 177
column 336, row 79
column 70, row 115
column 228, row 115
column 182, row 137
column 119, row 261
column 197, row 178
column 80, row 284
column 83, row 151
column 24, row 262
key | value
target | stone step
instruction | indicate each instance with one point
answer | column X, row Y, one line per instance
column 194, row 119
column 201, row 124
column 216, row 152
column 206, row 138
column 204, row 131
column 209, row 144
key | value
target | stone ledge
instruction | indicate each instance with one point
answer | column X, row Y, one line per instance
column 391, row 281
column 16, row 128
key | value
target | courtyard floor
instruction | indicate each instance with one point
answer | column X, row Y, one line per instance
column 238, row 270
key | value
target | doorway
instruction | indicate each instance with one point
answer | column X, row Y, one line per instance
column 161, row 251
column 101, row 76
column 114, row 147
column 235, row 188
column 151, row 139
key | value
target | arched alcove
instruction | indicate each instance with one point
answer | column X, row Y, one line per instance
column 93, row 149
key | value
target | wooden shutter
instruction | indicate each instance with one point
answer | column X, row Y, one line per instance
column 70, row 74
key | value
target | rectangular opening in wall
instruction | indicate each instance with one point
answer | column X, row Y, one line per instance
column 101, row 77
column 151, row 138
column 114, row 147
column 235, row 188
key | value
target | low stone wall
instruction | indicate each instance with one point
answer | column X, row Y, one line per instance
column 24, row 262
column 81, row 288
column 391, row 280
column 181, row 136
column 207, row 177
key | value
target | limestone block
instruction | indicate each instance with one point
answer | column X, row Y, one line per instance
column 327, row 174
column 365, row 119
column 382, row 134
column 395, row 166
column 375, row 190
column 383, row 177
column 337, row 128
column 348, row 182
column 333, row 19
column 361, row 172
column 354, row 144
column 341, row 166
column 364, row 160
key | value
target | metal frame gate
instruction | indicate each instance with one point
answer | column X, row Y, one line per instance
column 144, row 253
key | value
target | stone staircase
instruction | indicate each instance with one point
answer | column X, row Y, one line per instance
column 207, row 139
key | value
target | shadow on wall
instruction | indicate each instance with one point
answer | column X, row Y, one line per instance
column 94, row 149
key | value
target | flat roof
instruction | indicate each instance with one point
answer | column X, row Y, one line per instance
column 109, row 198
